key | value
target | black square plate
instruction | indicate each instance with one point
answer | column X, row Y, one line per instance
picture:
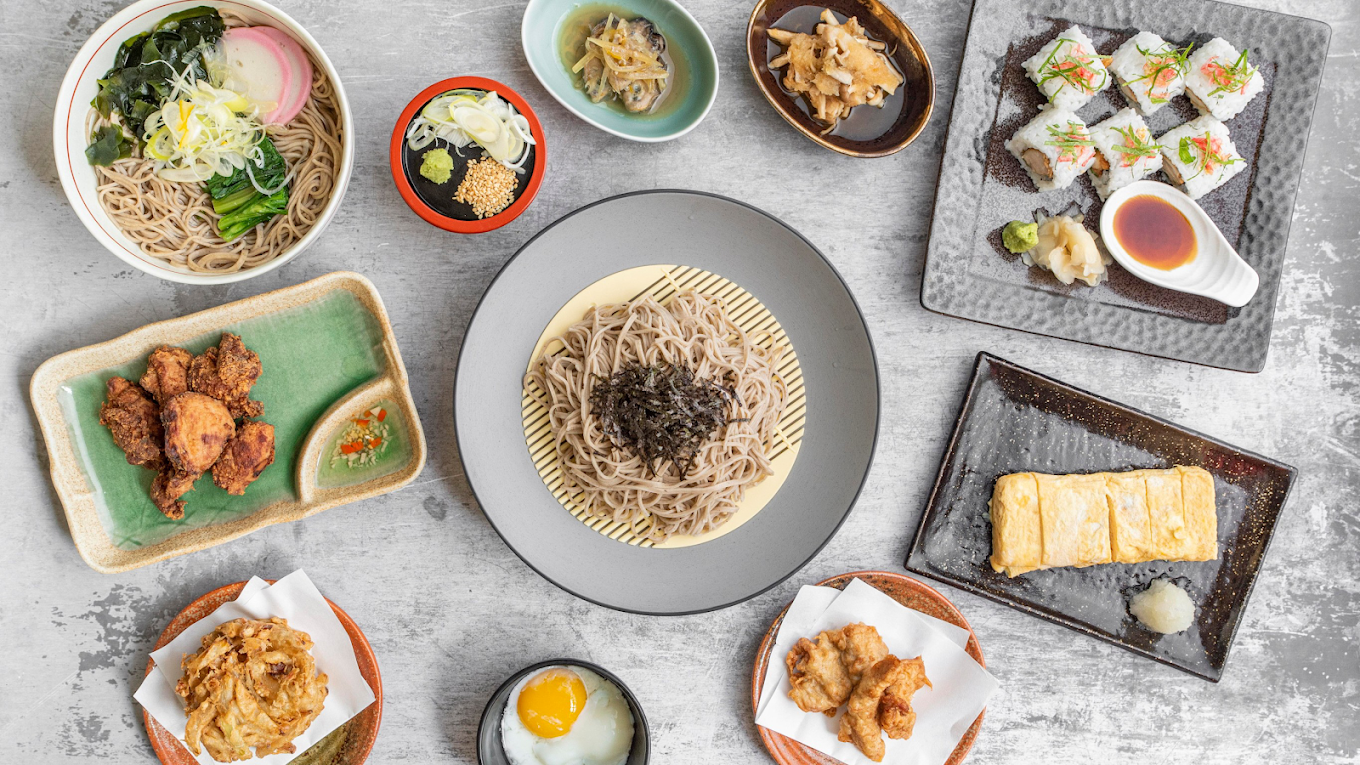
column 969, row 274
column 1014, row 420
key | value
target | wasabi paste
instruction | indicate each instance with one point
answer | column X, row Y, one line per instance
column 437, row 166
column 1018, row 236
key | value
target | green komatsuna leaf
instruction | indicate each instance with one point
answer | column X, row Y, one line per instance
column 108, row 145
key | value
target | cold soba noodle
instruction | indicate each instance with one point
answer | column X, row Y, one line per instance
column 175, row 222
column 693, row 332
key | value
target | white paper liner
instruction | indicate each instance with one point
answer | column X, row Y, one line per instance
column 296, row 599
column 944, row 712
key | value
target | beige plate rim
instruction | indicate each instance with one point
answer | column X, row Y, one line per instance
column 72, row 488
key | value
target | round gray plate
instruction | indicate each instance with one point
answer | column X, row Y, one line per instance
column 765, row 257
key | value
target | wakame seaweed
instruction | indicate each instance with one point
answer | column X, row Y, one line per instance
column 108, row 145
column 661, row 413
column 139, row 82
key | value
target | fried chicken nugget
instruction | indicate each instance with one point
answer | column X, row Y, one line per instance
column 167, row 373
column 860, row 725
column 167, row 488
column 895, row 714
column 227, row 373
column 134, row 421
column 197, row 427
column 245, row 457
column 819, row 679
column 860, row 646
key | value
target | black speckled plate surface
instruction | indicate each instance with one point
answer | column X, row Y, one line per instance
column 970, row 275
column 1014, row 420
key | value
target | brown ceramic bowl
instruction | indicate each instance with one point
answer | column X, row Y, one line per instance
column 869, row 131
column 347, row 745
column 909, row 592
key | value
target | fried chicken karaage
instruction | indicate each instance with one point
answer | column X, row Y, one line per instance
column 245, row 457
column 895, row 714
column 852, row 666
column 227, row 373
column 171, row 484
column 197, row 428
column 819, row 679
column 167, row 373
column 134, row 420
column 180, row 420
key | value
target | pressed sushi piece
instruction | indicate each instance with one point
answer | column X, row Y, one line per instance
column 1068, row 70
column 1130, row 525
column 1054, row 148
column 1199, row 156
column 1221, row 81
column 1125, row 152
column 1017, row 546
column 1150, row 71
column 1074, row 520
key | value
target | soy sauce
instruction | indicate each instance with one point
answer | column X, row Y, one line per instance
column 1155, row 233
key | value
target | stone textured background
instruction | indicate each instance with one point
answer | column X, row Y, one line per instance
column 451, row 611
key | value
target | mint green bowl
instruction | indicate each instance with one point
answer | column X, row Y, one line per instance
column 694, row 86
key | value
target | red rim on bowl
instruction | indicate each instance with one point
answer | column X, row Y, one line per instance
column 171, row 751
column 454, row 224
column 911, row 593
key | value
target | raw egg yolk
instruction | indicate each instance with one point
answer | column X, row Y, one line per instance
column 550, row 703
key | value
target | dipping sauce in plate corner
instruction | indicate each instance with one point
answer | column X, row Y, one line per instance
column 1155, row 233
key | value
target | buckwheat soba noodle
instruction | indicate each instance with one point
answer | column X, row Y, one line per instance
column 175, row 221
column 693, row 331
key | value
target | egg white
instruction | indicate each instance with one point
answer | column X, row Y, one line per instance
column 602, row 735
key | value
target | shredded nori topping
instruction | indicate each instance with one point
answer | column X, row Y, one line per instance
column 661, row 413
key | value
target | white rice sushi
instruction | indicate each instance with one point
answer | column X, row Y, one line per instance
column 1221, row 82
column 1150, row 70
column 1068, row 70
column 1200, row 156
column 1125, row 152
column 1054, row 148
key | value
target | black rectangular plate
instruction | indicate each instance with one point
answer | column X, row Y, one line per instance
column 969, row 274
column 1014, row 420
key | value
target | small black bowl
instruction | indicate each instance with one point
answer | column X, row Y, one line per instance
column 489, row 748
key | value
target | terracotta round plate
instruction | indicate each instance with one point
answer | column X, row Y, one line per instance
column 905, row 590
column 357, row 735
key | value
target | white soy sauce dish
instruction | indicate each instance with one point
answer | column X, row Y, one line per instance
column 1214, row 270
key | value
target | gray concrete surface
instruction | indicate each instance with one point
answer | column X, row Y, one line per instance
column 451, row 611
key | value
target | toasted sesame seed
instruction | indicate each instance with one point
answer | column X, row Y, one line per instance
column 488, row 186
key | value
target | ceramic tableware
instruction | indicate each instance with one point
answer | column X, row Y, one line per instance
column 433, row 202
column 70, row 137
column 890, row 129
column 328, row 355
column 695, row 80
column 970, row 274
column 490, row 750
column 349, row 744
column 1014, row 420
column 1217, row 271
column 911, row 593
column 791, row 279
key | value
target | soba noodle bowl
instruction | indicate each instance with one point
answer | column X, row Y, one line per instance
column 175, row 222
column 693, row 330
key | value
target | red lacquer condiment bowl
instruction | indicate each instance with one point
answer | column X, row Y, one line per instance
column 359, row 733
column 905, row 590
column 434, row 217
